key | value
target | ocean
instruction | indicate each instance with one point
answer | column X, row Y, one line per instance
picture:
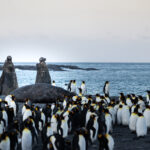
column 123, row 77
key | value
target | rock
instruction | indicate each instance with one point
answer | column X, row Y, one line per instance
column 40, row 93
column 43, row 75
column 8, row 80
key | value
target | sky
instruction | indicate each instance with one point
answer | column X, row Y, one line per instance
column 75, row 30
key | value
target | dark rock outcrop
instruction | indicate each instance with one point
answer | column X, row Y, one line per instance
column 40, row 93
column 43, row 75
column 8, row 80
column 53, row 67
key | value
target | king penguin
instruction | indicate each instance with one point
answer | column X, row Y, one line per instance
column 106, row 88
column 106, row 142
column 73, row 86
column 27, row 113
column 83, row 87
column 133, row 120
column 119, row 115
column 79, row 141
column 147, row 116
column 148, row 96
column 92, row 127
column 141, row 128
column 108, row 121
column 125, row 115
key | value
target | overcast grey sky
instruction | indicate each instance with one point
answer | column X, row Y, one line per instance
column 75, row 30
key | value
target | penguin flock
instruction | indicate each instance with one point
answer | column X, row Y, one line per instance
column 134, row 111
column 74, row 123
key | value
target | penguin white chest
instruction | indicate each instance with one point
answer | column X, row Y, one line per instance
column 54, row 124
column 82, row 142
column 110, row 142
column 83, row 89
column 27, row 114
column 49, row 131
column 5, row 116
column 119, row 116
column 125, row 115
column 26, row 140
column 65, row 128
column 147, row 117
column 141, row 128
column 132, row 121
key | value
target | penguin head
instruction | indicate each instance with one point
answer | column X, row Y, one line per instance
column 106, row 96
column 117, row 102
column 27, row 106
column 147, row 107
column 92, row 109
column 48, row 124
column 107, row 82
column 80, row 90
column 4, row 136
column 140, row 97
column 134, row 102
column 37, row 108
column 79, row 131
column 120, row 106
column 106, row 111
column 133, row 96
column 121, row 94
column 93, row 117
column 140, row 114
column 97, row 95
column 90, row 97
column 109, row 106
column 83, row 82
column 148, row 92
column 128, row 96
column 13, row 97
column 102, row 97
column 57, row 116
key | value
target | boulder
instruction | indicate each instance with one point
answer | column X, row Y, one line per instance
column 40, row 93
column 43, row 75
column 8, row 80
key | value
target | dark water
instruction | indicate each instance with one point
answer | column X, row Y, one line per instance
column 123, row 77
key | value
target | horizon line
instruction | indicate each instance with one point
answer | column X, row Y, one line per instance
column 74, row 62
